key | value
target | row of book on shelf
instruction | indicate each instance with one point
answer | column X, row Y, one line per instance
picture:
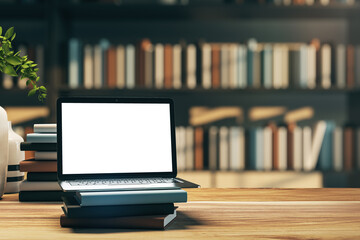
column 35, row 53
column 148, row 209
column 324, row 147
column 213, row 65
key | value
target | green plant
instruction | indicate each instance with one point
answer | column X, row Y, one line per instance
column 13, row 64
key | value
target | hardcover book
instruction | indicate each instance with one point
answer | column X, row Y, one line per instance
column 30, row 146
column 31, row 165
column 41, row 137
column 138, row 222
column 40, row 196
column 40, row 186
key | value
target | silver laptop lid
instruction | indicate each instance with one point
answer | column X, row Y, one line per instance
column 115, row 137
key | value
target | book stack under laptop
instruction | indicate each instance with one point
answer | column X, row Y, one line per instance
column 140, row 209
column 41, row 181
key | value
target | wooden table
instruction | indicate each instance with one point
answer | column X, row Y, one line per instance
column 211, row 214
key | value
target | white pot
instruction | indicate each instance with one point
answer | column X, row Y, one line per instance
column 14, row 176
column 4, row 149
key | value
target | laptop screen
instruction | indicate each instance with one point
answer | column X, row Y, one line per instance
column 116, row 138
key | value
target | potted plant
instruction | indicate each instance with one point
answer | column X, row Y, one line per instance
column 13, row 64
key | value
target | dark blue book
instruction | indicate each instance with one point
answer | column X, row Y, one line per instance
column 252, row 149
column 72, row 209
column 326, row 156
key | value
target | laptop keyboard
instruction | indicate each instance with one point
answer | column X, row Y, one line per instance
column 123, row 181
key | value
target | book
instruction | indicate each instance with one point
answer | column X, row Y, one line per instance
column 267, row 66
column 149, row 65
column 340, row 61
column 111, row 67
column 307, row 142
column 242, row 66
column 224, row 148
column 41, row 137
column 325, row 66
column 338, row 149
column 177, row 66
column 213, row 148
column 45, row 155
column 130, row 197
column 191, row 66
column 259, row 148
column 159, row 65
column 268, row 148
column 138, row 222
column 215, row 66
column 168, row 66
column 224, row 66
column 74, row 63
column 130, row 66
column 282, row 148
column 30, row 146
column 237, row 148
column 72, row 209
column 97, row 67
column 88, row 67
column 120, row 66
column 325, row 157
column 189, row 148
column 233, row 83
column 348, row 148
column 40, row 186
column 206, row 65
column 41, row 176
column 357, row 63
column 40, row 196
column 350, row 57
column 199, row 151
column 31, row 165
column 181, row 145
column 45, row 128
column 297, row 149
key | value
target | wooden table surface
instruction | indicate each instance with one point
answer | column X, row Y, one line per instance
column 211, row 214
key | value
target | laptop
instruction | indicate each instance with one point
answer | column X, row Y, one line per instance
column 117, row 144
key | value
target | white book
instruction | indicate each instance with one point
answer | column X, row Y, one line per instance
column 40, row 186
column 259, row 148
column 317, row 139
column 189, row 149
column 303, row 51
column 311, row 66
column 7, row 81
column 213, row 148
column 97, row 67
column 224, row 66
column 74, row 68
column 325, row 66
column 177, row 66
column 268, row 66
column 45, row 155
column 88, row 66
column 159, row 65
column 268, row 148
column 148, row 78
column 237, row 148
column 23, row 52
column 224, row 148
column 284, row 66
column 307, row 138
column 130, row 66
column 206, row 65
column 340, row 66
column 338, row 150
column 282, row 148
column 191, row 66
column 277, row 67
column 45, row 128
column 298, row 149
column 242, row 66
column 120, row 66
column 233, row 65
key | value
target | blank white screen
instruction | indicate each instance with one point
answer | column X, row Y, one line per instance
column 116, row 138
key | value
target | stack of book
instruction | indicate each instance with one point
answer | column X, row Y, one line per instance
column 41, row 181
column 142, row 209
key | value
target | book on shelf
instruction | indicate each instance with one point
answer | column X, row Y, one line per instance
column 130, row 197
column 45, row 155
column 31, row 146
column 72, row 209
column 137, row 222
column 45, row 128
column 207, row 65
column 31, row 165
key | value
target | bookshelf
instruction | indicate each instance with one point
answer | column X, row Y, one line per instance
column 53, row 23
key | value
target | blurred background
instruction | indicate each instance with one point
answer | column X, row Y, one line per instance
column 266, row 91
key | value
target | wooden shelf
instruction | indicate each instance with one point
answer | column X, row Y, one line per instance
column 18, row 97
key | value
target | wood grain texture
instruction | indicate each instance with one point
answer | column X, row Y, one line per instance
column 211, row 214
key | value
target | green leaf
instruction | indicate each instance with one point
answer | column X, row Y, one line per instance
column 10, row 71
column 13, row 37
column 0, row 30
column 42, row 88
column 9, row 33
column 28, row 82
column 33, row 65
column 32, row 92
column 13, row 60
column 24, row 66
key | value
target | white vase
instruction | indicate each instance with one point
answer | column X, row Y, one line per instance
column 14, row 176
column 4, row 149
